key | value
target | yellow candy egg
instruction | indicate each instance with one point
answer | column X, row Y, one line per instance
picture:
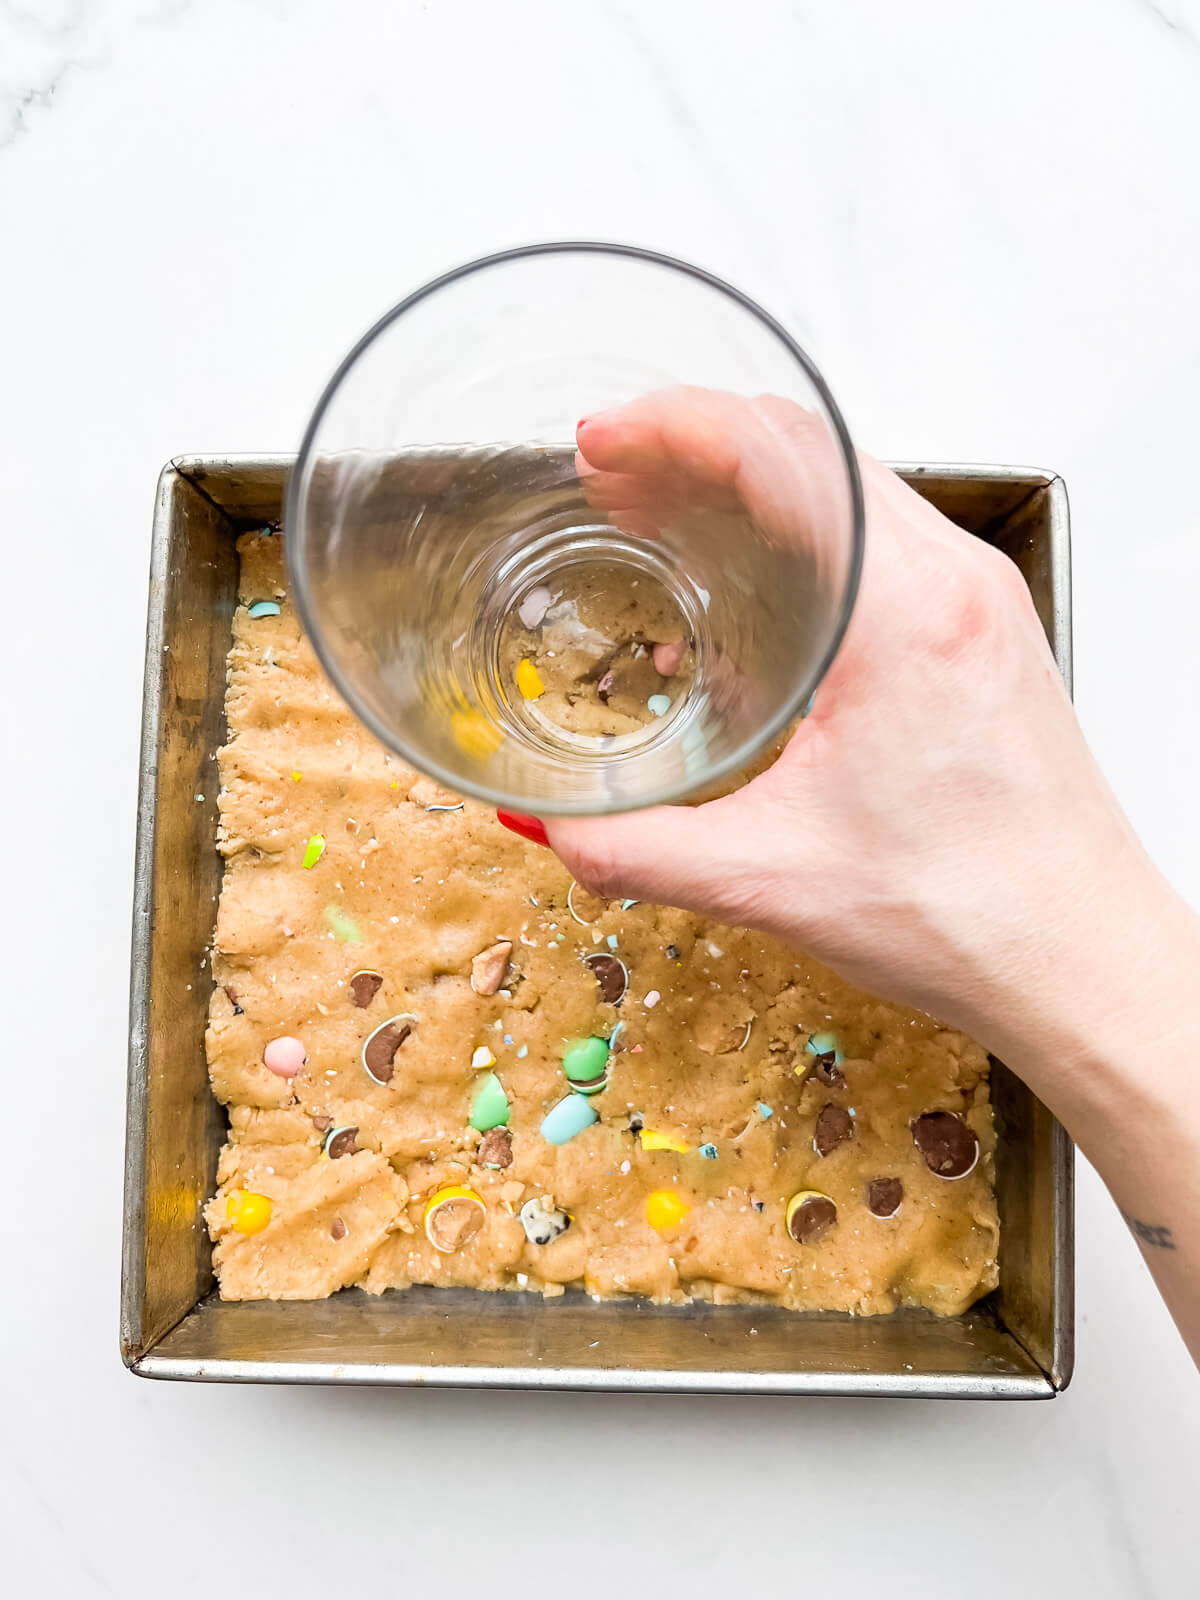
column 529, row 680
column 452, row 1217
column 248, row 1212
column 664, row 1209
column 474, row 734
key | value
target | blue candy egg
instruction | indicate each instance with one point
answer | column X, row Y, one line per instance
column 567, row 1118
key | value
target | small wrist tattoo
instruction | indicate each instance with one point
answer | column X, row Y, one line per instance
column 1151, row 1233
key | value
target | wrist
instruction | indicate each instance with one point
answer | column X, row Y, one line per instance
column 1107, row 1026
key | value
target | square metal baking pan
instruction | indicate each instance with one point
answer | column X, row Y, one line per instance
column 1015, row 1344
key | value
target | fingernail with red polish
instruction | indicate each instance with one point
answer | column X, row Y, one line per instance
column 528, row 827
column 580, row 424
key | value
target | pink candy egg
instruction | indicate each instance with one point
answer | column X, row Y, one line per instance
column 668, row 657
column 284, row 1056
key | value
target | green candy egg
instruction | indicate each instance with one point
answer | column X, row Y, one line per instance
column 585, row 1059
column 490, row 1108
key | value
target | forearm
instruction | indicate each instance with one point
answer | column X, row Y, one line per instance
column 1111, row 1043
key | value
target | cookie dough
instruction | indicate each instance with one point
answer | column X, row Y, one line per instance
column 477, row 950
column 599, row 650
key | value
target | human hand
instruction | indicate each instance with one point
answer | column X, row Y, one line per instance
column 937, row 829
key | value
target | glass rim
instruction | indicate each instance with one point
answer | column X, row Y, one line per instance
column 294, row 531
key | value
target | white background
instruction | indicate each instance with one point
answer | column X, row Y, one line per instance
column 984, row 222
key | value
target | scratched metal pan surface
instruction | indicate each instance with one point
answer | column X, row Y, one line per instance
column 1016, row 1344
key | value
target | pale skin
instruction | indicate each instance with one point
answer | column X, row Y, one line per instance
column 937, row 829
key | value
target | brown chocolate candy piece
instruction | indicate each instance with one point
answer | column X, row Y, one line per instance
column 342, row 1143
column 495, row 1149
column 835, row 1126
column 827, row 1071
column 884, row 1196
column 610, row 975
column 364, row 986
column 950, row 1148
column 231, row 995
column 337, row 1229
column 322, row 1123
column 490, row 967
column 812, row 1219
column 379, row 1052
column 604, row 687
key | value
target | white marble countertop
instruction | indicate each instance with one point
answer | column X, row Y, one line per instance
column 985, row 224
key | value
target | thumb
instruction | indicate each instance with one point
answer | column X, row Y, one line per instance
column 670, row 855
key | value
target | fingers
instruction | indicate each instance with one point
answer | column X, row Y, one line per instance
column 679, row 429
column 767, row 456
column 709, row 858
column 671, row 855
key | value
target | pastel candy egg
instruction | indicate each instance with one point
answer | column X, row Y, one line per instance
column 453, row 1217
column 664, row 1209
column 809, row 1216
column 658, row 705
column 284, row 1056
column 584, row 1060
column 248, row 1212
column 490, row 1106
column 567, row 1118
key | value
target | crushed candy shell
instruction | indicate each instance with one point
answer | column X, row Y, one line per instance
column 764, row 1110
column 709, row 1152
column 489, row 1109
column 534, row 607
column 581, row 900
column 340, row 1142
column 490, row 967
column 809, row 1216
column 651, row 1000
column 543, row 1223
column 482, row 1058
column 884, row 1196
column 495, row 1150
column 664, row 1209
column 314, row 850
column 529, row 680
column 658, row 705
column 364, row 986
column 651, row 1140
column 611, row 975
column 950, row 1147
column 379, row 1050
column 264, row 608
column 835, row 1126
column 453, row 1216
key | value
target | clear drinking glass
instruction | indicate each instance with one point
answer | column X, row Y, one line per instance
column 489, row 613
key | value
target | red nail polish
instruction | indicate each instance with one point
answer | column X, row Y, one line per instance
column 528, row 827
